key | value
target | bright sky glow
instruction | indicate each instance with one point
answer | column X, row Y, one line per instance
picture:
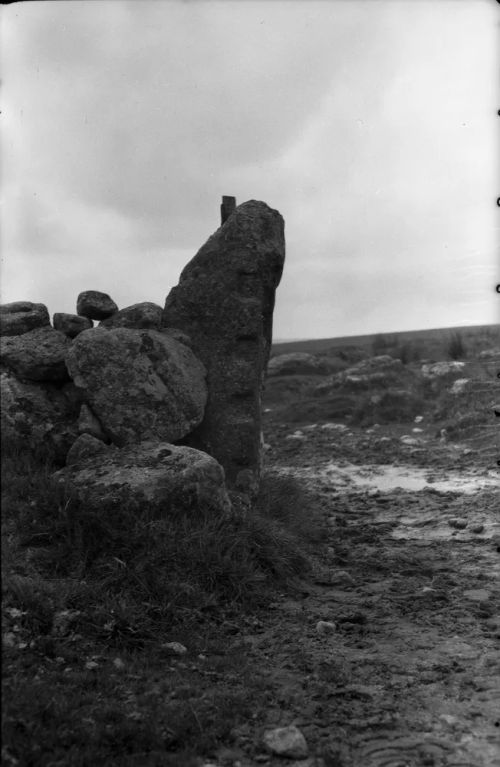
column 371, row 125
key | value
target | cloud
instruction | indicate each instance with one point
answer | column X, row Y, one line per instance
column 144, row 122
column 369, row 125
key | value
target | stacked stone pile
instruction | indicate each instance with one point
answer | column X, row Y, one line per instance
column 111, row 399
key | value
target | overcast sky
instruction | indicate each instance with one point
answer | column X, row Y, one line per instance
column 371, row 125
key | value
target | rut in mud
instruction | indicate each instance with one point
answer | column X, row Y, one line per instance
column 409, row 672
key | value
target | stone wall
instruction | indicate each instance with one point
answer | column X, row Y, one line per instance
column 190, row 374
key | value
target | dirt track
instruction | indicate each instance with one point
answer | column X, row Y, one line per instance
column 409, row 674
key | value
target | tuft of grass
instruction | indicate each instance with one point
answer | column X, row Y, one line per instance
column 456, row 348
column 381, row 344
column 284, row 501
column 177, row 562
column 407, row 352
column 319, row 408
column 84, row 590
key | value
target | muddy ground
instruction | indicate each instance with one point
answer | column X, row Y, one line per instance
column 409, row 576
column 386, row 655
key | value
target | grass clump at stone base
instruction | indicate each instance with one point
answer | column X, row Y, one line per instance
column 177, row 563
column 90, row 601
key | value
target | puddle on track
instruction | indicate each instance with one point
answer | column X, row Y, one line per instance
column 422, row 521
column 346, row 477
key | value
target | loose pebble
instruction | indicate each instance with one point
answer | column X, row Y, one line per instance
column 326, row 627
column 286, row 741
column 449, row 719
column 477, row 528
column 407, row 440
column 458, row 524
column 175, row 648
column 342, row 576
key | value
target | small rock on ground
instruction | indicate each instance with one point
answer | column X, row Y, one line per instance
column 477, row 528
column 286, row 741
column 326, row 627
column 458, row 524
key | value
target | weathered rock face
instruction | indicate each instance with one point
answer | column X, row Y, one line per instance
column 224, row 301
column 459, row 386
column 141, row 384
column 95, row 305
column 143, row 315
column 37, row 355
column 21, row 317
column 71, row 324
column 178, row 335
column 39, row 415
column 161, row 477
column 490, row 354
column 440, row 369
column 298, row 363
column 86, row 448
column 380, row 371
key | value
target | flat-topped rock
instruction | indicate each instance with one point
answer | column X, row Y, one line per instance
column 20, row 317
column 155, row 477
column 95, row 305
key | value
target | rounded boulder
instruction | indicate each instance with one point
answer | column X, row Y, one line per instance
column 156, row 477
column 143, row 315
column 95, row 305
column 22, row 316
column 141, row 384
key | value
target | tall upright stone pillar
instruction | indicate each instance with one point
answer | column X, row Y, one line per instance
column 224, row 301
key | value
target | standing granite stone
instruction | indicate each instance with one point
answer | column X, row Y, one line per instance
column 224, row 301
column 95, row 305
column 22, row 316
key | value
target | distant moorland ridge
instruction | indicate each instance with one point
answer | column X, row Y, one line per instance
column 434, row 337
